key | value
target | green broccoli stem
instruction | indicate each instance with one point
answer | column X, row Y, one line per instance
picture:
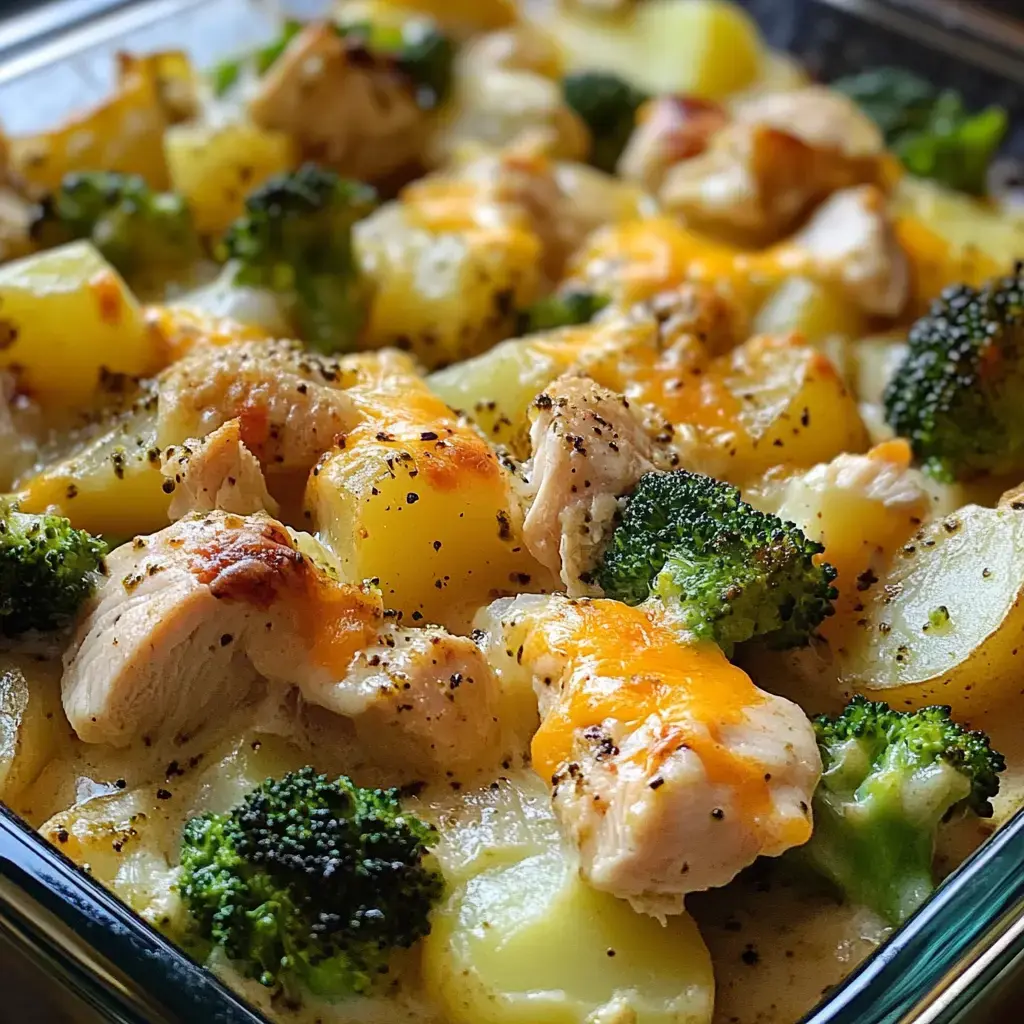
column 873, row 854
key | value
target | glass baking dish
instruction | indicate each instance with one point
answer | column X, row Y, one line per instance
column 90, row 957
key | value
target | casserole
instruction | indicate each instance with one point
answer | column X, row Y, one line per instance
column 937, row 968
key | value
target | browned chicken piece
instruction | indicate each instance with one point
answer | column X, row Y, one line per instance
column 188, row 620
column 780, row 156
column 588, row 450
column 204, row 616
column 669, row 129
column 290, row 403
column 216, row 472
column 343, row 106
column 851, row 240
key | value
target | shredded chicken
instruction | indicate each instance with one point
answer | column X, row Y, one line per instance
column 344, row 107
column 588, row 450
column 290, row 403
column 782, row 155
column 851, row 240
column 670, row 770
column 216, row 472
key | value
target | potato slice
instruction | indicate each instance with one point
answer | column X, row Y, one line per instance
column 495, row 389
column 707, row 48
column 32, row 722
column 216, row 168
column 66, row 318
column 946, row 625
column 819, row 313
column 523, row 939
column 112, row 484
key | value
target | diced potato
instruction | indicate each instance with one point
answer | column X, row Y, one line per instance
column 32, row 722
column 945, row 625
column 495, row 389
column 960, row 220
column 817, row 312
column 445, row 295
column 425, row 507
column 706, row 48
column 66, row 317
column 124, row 133
column 112, row 484
column 522, row 939
column 216, row 168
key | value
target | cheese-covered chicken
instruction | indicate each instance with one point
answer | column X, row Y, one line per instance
column 588, row 450
column 669, row 768
column 203, row 616
column 189, row 618
column 216, row 472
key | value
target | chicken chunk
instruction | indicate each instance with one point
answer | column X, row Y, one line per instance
column 343, row 106
column 781, row 156
column 290, row 403
column 670, row 770
column 696, row 312
column 426, row 699
column 851, row 240
column 190, row 618
column 588, row 450
column 669, row 129
column 216, row 472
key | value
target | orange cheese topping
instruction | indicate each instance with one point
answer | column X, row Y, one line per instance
column 179, row 330
column 622, row 664
column 399, row 410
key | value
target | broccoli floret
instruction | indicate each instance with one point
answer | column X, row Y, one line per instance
column 607, row 105
column 566, row 309
column 890, row 779
column 728, row 571
column 295, row 238
column 47, row 569
column 930, row 130
column 309, row 883
column 957, row 394
column 147, row 235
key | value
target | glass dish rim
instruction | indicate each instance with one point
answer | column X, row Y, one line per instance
column 928, row 972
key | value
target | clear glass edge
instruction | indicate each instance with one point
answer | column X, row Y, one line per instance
column 940, row 963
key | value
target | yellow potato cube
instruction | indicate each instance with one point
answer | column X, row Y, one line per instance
column 66, row 317
column 216, row 168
